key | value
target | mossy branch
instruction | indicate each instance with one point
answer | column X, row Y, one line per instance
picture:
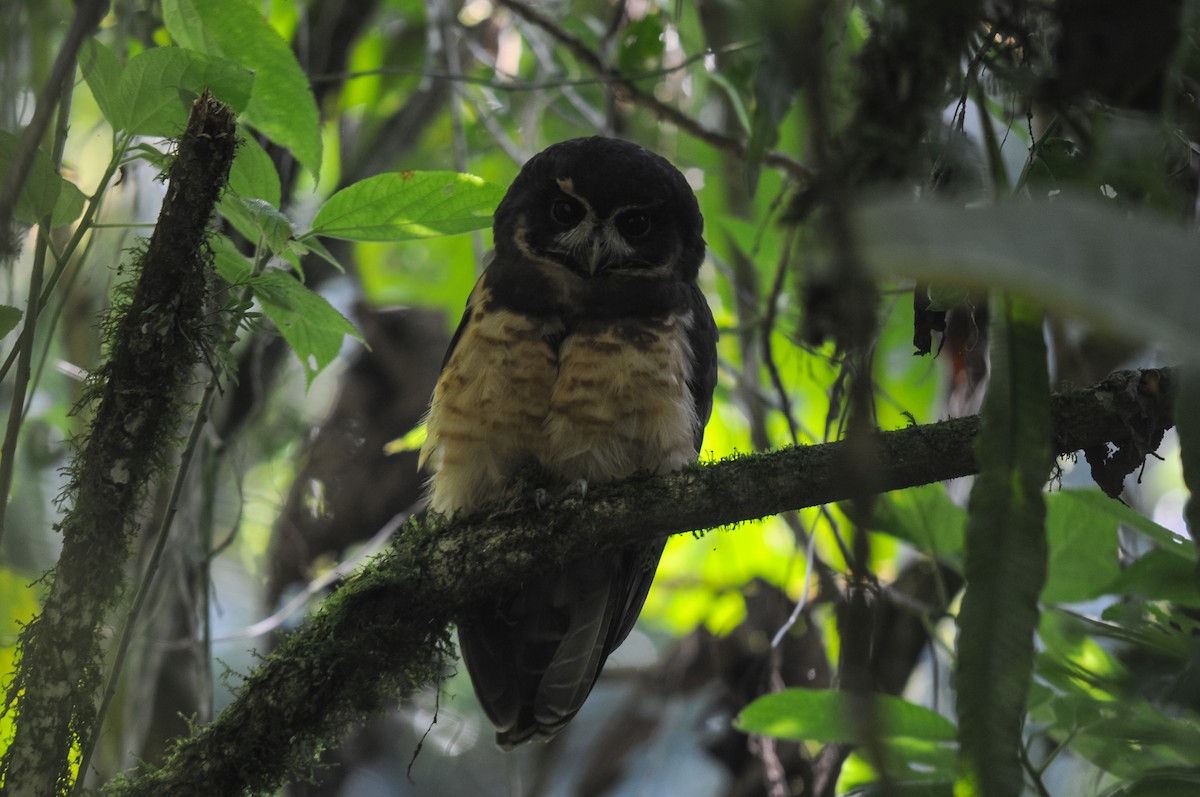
column 155, row 341
column 386, row 632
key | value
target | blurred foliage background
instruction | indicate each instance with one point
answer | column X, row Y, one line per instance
column 306, row 456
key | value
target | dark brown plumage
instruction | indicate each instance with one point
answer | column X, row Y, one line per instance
column 586, row 349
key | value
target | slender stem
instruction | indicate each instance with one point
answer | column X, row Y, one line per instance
column 1035, row 775
column 85, row 224
column 147, row 579
column 24, row 352
column 25, row 346
column 88, row 14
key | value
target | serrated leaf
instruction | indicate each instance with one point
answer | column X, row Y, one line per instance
column 102, row 70
column 45, row 192
column 158, row 87
column 9, row 318
column 273, row 227
column 309, row 323
column 1130, row 273
column 408, row 205
column 1006, row 553
column 282, row 105
column 234, row 267
column 827, row 715
column 314, row 245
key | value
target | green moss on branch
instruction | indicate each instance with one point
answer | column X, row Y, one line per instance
column 157, row 337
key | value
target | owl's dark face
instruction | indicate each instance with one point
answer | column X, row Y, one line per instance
column 601, row 206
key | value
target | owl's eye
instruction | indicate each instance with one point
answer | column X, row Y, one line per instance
column 634, row 224
column 566, row 212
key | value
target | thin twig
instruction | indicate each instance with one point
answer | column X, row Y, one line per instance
column 321, row 583
column 88, row 14
column 81, row 229
column 25, row 345
column 645, row 99
column 511, row 83
column 768, row 328
column 1035, row 776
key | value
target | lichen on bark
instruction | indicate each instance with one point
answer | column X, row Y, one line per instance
column 157, row 334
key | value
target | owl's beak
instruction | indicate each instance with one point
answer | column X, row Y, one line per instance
column 604, row 249
column 595, row 255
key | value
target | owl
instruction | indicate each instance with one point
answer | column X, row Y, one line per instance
column 587, row 353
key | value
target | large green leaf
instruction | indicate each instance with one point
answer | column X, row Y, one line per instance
column 309, row 323
column 45, row 192
column 407, row 205
column 1165, row 782
column 1083, row 548
column 1158, row 576
column 826, row 715
column 102, row 70
column 253, row 175
column 1166, row 539
column 925, row 517
column 1006, row 553
column 282, row 105
column 1096, row 261
column 157, row 89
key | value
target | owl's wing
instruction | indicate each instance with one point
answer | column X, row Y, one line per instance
column 431, row 441
column 702, row 341
column 472, row 300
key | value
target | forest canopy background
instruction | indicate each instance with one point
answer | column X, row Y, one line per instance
column 1008, row 187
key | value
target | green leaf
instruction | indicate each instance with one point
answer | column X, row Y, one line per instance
column 158, row 87
column 1166, row 539
column 1164, row 782
column 234, row 267
column 1158, row 576
column 282, row 105
column 1083, row 549
column 253, row 174
column 266, row 223
column 45, row 192
column 310, row 324
column 313, row 244
column 408, row 205
column 1006, row 553
column 9, row 318
column 925, row 517
column 827, row 715
column 1072, row 255
column 102, row 70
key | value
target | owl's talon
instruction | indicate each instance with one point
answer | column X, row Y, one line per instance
column 579, row 485
column 540, row 498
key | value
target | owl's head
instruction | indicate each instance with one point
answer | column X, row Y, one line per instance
column 600, row 206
